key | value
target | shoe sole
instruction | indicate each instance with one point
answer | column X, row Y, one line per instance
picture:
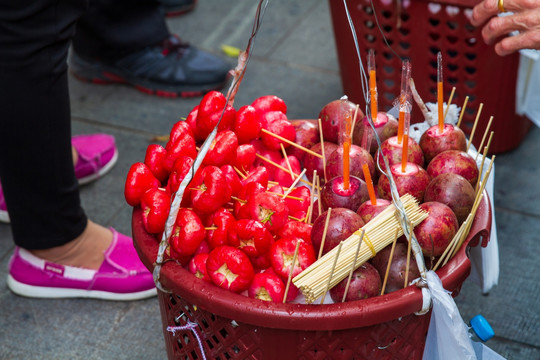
column 64, row 293
column 4, row 216
column 88, row 179
column 180, row 11
column 103, row 75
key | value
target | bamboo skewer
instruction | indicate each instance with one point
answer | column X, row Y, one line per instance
column 291, row 143
column 311, row 198
column 379, row 233
column 353, row 267
column 474, row 126
column 289, row 279
column 383, row 288
column 406, row 282
column 486, row 149
column 449, row 101
column 322, row 149
column 287, row 160
column 462, row 111
column 332, row 272
column 319, row 205
column 280, row 167
column 329, row 211
column 465, row 227
column 484, row 137
column 354, row 120
column 295, row 182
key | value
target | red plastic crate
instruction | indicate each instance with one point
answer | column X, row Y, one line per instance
column 418, row 30
column 382, row 327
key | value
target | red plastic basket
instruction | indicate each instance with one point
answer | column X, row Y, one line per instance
column 425, row 28
column 234, row 326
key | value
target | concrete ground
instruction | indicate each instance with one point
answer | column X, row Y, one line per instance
column 295, row 59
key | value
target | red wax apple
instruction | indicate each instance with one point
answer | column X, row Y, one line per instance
column 247, row 125
column 293, row 204
column 210, row 111
column 245, row 157
column 282, row 255
column 452, row 190
column 241, row 210
column 139, row 179
column 183, row 146
column 181, row 167
column 341, row 224
column 296, row 229
column 334, row 194
column 222, row 220
column 269, row 209
column 188, row 232
column 211, row 191
column 273, row 155
column 197, row 266
column 436, row 231
column 413, row 180
column 267, row 103
column 154, row 157
column 393, row 151
column 155, row 204
column 259, row 175
column 357, row 157
column 191, row 120
column 385, row 125
column 230, row 268
column 368, row 211
column 223, row 149
column 454, row 161
column 233, row 180
column 307, row 135
column 434, row 142
column 250, row 236
column 281, row 127
column 267, row 287
column 331, row 116
column 179, row 129
column 365, row 283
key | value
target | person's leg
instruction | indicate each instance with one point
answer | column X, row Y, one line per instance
column 41, row 190
column 127, row 41
column 36, row 165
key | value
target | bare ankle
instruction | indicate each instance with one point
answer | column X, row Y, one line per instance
column 85, row 251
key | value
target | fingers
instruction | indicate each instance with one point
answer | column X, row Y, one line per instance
column 503, row 25
column 484, row 11
column 525, row 40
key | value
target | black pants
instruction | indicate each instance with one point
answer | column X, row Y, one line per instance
column 36, row 166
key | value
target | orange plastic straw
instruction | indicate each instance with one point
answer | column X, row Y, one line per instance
column 346, row 151
column 405, row 152
column 405, row 78
column 440, row 92
column 401, row 127
column 372, row 84
column 369, row 183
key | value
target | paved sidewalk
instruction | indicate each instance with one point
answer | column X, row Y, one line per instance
column 295, row 59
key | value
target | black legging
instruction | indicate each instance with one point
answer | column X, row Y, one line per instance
column 36, row 166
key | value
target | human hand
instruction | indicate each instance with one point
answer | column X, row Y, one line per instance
column 524, row 18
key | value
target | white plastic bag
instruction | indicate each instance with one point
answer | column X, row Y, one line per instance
column 447, row 337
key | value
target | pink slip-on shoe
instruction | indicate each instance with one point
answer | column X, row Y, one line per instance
column 122, row 276
column 97, row 155
column 4, row 216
